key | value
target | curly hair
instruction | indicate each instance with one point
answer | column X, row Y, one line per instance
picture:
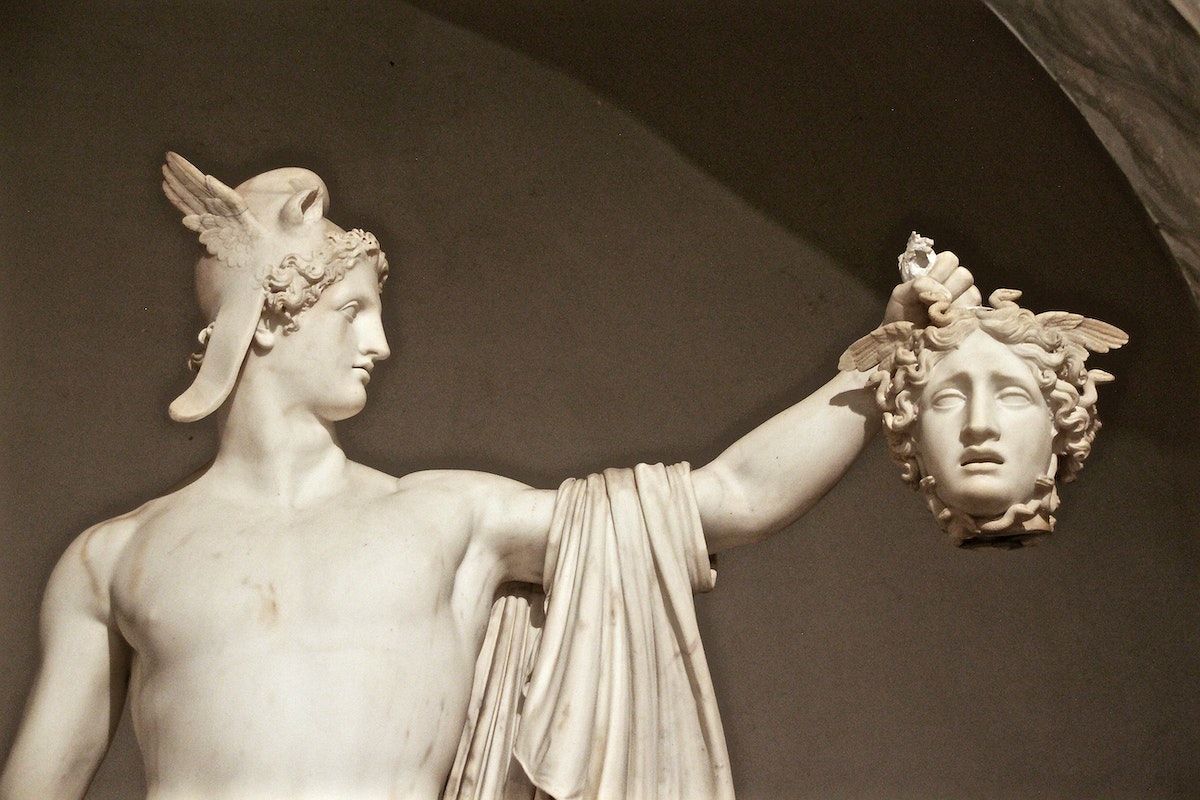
column 296, row 283
column 1054, row 356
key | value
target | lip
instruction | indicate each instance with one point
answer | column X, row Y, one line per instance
column 981, row 458
column 366, row 373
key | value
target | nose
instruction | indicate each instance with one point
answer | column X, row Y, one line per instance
column 980, row 424
column 374, row 342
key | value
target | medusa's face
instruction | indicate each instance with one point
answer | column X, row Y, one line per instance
column 983, row 430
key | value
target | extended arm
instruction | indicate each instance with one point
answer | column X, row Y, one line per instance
column 776, row 472
column 79, row 691
column 758, row 486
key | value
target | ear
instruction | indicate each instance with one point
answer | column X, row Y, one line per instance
column 303, row 208
column 264, row 336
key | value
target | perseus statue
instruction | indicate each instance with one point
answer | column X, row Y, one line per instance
column 291, row 624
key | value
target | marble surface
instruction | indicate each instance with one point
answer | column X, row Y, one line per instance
column 736, row 243
column 284, row 623
column 986, row 407
column 1133, row 70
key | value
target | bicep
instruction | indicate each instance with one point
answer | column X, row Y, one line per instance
column 725, row 515
column 79, row 690
column 513, row 523
column 772, row 475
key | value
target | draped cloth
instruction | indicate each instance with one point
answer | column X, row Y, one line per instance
column 600, row 690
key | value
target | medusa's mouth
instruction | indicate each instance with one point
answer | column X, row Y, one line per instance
column 979, row 456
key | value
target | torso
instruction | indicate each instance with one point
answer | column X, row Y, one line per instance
column 302, row 654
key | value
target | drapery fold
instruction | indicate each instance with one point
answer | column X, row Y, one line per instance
column 607, row 695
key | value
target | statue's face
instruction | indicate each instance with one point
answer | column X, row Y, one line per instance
column 983, row 428
column 325, row 364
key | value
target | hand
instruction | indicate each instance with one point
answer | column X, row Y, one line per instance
column 946, row 280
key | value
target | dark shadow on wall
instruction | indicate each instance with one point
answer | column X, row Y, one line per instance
column 852, row 124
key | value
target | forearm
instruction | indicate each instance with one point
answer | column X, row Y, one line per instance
column 776, row 472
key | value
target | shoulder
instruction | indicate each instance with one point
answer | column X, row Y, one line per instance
column 440, row 482
column 462, row 482
column 437, row 498
column 509, row 520
column 94, row 555
column 478, row 494
column 491, row 513
column 99, row 547
column 82, row 578
column 481, row 500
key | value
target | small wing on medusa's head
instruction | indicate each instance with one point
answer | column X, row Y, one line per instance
column 875, row 347
column 213, row 210
column 1096, row 336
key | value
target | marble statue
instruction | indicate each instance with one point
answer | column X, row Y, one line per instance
column 291, row 624
column 986, row 407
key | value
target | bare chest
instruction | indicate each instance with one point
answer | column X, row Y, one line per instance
column 320, row 582
column 311, row 653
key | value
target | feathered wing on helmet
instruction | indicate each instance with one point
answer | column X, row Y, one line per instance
column 273, row 221
column 219, row 214
column 230, row 233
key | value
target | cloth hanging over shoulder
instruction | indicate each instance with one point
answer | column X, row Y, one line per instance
column 607, row 694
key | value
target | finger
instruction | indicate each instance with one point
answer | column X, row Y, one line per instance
column 971, row 297
column 930, row 291
column 959, row 281
column 945, row 265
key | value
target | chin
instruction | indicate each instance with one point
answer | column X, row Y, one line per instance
column 984, row 496
column 345, row 409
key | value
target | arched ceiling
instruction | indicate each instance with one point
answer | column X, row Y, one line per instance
column 1133, row 70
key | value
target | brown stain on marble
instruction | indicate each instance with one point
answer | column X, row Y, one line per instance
column 268, row 613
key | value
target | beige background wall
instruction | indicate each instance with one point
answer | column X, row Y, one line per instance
column 632, row 249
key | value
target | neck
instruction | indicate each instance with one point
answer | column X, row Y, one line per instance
column 277, row 453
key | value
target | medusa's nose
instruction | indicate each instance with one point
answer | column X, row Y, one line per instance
column 980, row 424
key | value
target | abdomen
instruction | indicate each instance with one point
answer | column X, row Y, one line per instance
column 305, row 719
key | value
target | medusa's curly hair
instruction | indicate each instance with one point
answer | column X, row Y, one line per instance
column 1054, row 345
column 296, row 283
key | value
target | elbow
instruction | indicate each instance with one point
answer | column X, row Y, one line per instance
column 731, row 514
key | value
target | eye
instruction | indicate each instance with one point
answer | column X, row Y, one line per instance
column 947, row 399
column 1014, row 397
column 350, row 310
